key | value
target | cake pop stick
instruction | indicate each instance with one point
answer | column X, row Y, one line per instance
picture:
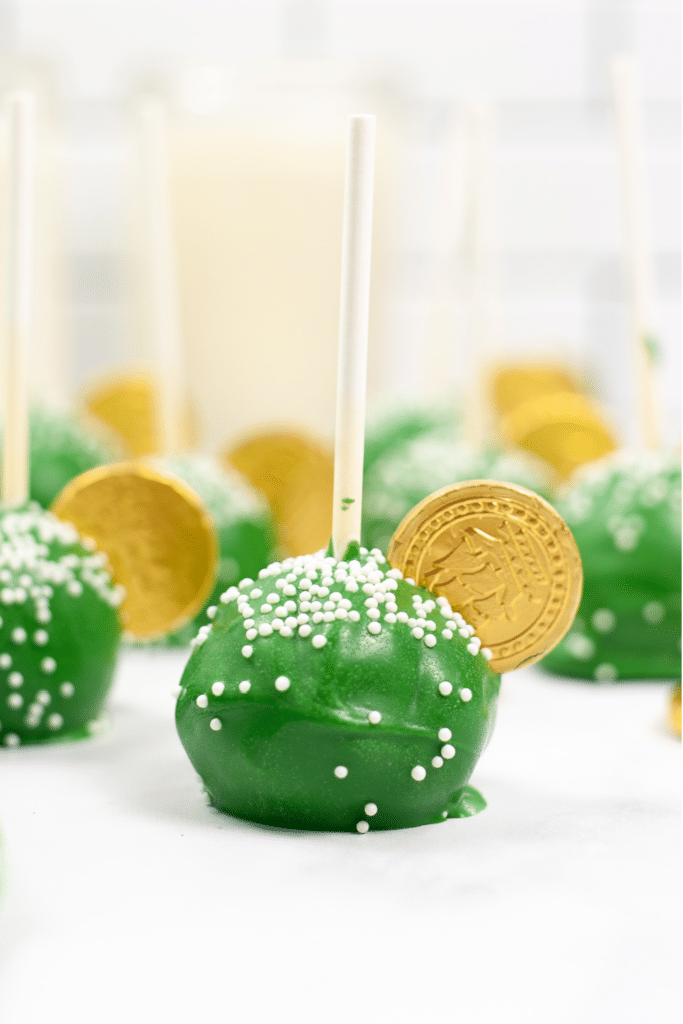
column 353, row 333
column 161, row 259
column 638, row 249
column 20, row 199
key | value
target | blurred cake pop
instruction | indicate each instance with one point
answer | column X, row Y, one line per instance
column 624, row 513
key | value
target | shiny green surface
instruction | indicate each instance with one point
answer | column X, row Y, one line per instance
column 59, row 631
column 273, row 758
column 624, row 514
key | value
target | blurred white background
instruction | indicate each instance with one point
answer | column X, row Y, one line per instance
column 544, row 64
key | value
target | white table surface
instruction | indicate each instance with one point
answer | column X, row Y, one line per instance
column 128, row 899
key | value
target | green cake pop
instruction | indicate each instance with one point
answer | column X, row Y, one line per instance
column 624, row 512
column 243, row 521
column 336, row 695
column 405, row 475
column 59, row 629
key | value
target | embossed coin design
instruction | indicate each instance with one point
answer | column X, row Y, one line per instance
column 296, row 476
column 503, row 558
column 159, row 537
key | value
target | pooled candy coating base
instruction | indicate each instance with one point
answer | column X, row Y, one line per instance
column 311, row 703
column 59, row 630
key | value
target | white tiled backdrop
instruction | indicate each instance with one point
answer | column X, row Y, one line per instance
column 545, row 64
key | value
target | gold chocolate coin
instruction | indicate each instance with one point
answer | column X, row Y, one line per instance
column 129, row 405
column 675, row 710
column 159, row 537
column 296, row 475
column 502, row 557
column 515, row 383
column 565, row 429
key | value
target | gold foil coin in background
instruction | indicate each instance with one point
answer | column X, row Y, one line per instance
column 503, row 558
column 512, row 384
column 565, row 429
column 129, row 405
column 159, row 537
column 296, row 475
column 675, row 710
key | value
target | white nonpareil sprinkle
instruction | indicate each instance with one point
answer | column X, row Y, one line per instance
column 48, row 665
column 247, row 650
column 244, row 686
column 305, row 630
column 319, row 641
column 445, row 688
column 370, row 810
column 437, row 762
column 354, row 616
column 55, row 721
column 418, row 633
column 444, row 734
column 216, row 724
column 487, row 652
column 5, row 660
column 419, row 773
column 282, row 683
column 374, row 717
column 15, row 700
column 473, row 648
column 374, row 627
column 18, row 635
column 15, row 679
column 43, row 696
column 341, row 772
column 362, row 827
column 202, row 701
column 448, row 751
column 465, row 694
column 265, row 629
column 217, row 688
column 430, row 640
column 251, row 634
column 40, row 637
column 67, row 689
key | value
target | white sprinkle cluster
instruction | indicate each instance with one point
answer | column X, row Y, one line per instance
column 312, row 593
column 34, row 566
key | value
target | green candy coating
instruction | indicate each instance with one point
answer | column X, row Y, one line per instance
column 244, row 526
column 404, row 476
column 624, row 513
column 59, row 630
column 61, row 448
column 328, row 718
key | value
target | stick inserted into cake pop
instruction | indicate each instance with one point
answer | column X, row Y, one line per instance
column 353, row 333
column 19, row 247
column 638, row 249
column 161, row 257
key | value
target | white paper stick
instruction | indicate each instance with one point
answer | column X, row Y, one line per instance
column 638, row 248
column 19, row 242
column 484, row 310
column 161, row 259
column 353, row 333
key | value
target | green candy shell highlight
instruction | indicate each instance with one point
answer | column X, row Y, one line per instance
column 337, row 696
column 59, row 630
column 624, row 513
column 244, row 526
